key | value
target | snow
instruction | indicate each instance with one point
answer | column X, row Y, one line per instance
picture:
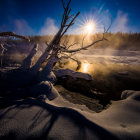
column 44, row 88
column 121, row 119
column 59, row 119
column 130, row 94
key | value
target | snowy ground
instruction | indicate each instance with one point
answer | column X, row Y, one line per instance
column 60, row 120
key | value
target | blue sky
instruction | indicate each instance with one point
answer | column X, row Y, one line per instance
column 39, row 17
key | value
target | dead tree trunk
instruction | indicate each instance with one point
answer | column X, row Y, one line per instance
column 28, row 62
column 47, row 52
column 48, row 69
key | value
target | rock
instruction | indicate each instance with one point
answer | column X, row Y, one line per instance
column 44, row 88
column 75, row 81
column 131, row 94
column 73, row 74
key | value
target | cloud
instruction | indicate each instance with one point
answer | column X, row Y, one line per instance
column 49, row 27
column 120, row 24
column 22, row 27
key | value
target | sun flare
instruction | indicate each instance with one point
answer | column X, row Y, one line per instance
column 89, row 27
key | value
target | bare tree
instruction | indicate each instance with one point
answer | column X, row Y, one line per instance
column 55, row 51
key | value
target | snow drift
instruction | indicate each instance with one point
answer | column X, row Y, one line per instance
column 35, row 119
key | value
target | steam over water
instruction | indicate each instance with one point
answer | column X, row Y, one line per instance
column 111, row 56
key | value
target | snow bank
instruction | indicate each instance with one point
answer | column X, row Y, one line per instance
column 30, row 119
column 44, row 88
column 130, row 94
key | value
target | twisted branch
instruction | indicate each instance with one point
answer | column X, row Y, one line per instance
column 7, row 34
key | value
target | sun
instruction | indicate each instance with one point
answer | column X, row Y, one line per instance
column 89, row 27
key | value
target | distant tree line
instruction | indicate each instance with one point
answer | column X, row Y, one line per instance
column 130, row 41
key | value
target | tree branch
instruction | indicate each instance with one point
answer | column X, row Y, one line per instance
column 70, row 24
column 78, row 62
column 7, row 34
column 87, row 46
column 82, row 48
